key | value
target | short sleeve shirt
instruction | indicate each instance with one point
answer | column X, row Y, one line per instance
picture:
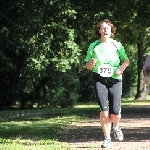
column 147, row 63
column 111, row 52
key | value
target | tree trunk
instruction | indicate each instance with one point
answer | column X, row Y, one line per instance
column 141, row 94
column 141, row 21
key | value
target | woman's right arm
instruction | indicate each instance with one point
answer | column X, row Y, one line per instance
column 89, row 65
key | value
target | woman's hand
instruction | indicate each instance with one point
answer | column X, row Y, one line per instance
column 145, row 79
column 91, row 64
column 120, row 71
column 122, row 67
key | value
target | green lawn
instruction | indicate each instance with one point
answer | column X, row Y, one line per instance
column 39, row 129
column 125, row 102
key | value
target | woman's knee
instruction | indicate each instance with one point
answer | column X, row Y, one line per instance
column 116, row 111
column 105, row 115
column 114, row 116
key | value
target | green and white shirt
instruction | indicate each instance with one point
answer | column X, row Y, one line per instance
column 110, row 53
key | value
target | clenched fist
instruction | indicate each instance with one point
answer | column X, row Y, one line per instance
column 91, row 64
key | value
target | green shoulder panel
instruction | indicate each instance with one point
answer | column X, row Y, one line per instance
column 90, row 50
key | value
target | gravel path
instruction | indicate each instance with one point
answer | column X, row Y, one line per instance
column 135, row 124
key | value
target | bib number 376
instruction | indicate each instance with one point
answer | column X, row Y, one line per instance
column 105, row 70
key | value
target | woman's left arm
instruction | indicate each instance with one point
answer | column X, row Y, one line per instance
column 121, row 69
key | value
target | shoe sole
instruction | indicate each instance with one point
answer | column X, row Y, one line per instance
column 106, row 147
column 117, row 139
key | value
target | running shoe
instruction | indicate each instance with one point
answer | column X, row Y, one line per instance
column 106, row 143
column 118, row 134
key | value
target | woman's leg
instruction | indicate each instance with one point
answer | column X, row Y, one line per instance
column 115, row 119
column 105, row 123
column 115, row 109
column 102, row 97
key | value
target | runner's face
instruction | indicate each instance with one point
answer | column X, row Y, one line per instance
column 105, row 30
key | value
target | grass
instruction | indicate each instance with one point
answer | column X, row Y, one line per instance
column 39, row 129
column 125, row 102
column 132, row 102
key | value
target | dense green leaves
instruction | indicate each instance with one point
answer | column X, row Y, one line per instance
column 39, row 43
column 44, row 43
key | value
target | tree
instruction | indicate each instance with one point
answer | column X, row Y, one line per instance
column 39, row 47
column 133, row 24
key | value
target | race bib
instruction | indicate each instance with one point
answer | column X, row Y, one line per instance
column 105, row 70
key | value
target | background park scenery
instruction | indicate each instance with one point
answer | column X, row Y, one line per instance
column 43, row 44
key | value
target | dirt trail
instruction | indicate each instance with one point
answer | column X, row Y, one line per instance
column 135, row 124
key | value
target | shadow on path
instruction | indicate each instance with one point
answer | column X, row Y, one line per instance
column 135, row 125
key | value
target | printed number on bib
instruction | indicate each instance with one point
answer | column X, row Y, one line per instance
column 105, row 70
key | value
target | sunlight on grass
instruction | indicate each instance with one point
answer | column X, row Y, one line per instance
column 36, row 133
column 40, row 129
column 125, row 102
column 86, row 106
column 132, row 102
column 33, row 145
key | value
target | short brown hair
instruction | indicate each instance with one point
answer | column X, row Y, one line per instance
column 97, row 27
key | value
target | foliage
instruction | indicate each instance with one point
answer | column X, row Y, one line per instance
column 130, row 74
column 40, row 40
column 66, row 95
column 44, row 43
